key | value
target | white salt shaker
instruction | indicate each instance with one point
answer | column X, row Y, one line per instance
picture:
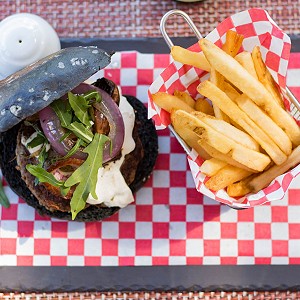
column 24, row 39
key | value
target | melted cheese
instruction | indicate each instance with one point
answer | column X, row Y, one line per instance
column 111, row 188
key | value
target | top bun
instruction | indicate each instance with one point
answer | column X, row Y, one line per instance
column 36, row 86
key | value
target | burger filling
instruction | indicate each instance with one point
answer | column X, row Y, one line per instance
column 118, row 193
column 77, row 148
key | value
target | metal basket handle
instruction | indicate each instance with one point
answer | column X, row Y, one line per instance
column 181, row 13
column 170, row 44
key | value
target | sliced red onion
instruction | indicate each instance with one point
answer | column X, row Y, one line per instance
column 54, row 131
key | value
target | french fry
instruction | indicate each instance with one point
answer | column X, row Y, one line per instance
column 202, row 105
column 192, row 140
column 265, row 123
column 217, row 79
column 211, row 166
column 217, row 96
column 184, row 96
column 188, row 135
column 240, row 188
column 226, row 176
column 233, row 43
column 231, row 46
column 250, row 158
column 264, row 75
column 255, row 90
column 169, row 102
column 230, row 91
column 262, row 180
column 228, row 130
column 223, row 157
column 191, row 58
column 245, row 59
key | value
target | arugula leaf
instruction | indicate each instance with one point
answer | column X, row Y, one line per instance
column 73, row 150
column 65, row 136
column 64, row 190
column 38, row 140
column 91, row 96
column 86, row 175
column 81, row 131
column 80, row 107
column 43, row 176
column 3, row 198
column 63, row 111
column 43, row 155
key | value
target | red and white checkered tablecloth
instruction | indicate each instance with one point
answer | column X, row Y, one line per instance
column 170, row 223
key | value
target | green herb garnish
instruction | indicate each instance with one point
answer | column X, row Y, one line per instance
column 43, row 155
column 74, row 115
column 73, row 150
column 65, row 136
column 80, row 106
column 64, row 112
column 43, row 176
column 81, row 131
column 86, row 175
column 91, row 96
column 3, row 198
column 38, row 140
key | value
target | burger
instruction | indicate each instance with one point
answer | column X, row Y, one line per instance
column 71, row 150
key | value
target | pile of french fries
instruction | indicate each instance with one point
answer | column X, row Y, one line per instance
column 239, row 124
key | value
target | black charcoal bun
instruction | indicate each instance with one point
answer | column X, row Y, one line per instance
column 31, row 89
column 147, row 134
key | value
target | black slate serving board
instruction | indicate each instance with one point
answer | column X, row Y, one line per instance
column 146, row 278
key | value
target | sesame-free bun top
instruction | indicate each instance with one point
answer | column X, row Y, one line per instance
column 33, row 88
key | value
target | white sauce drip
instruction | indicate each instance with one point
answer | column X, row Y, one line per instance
column 111, row 188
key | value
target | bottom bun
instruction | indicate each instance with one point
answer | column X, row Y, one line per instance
column 147, row 134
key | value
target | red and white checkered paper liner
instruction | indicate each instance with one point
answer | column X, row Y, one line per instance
column 258, row 28
column 169, row 223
